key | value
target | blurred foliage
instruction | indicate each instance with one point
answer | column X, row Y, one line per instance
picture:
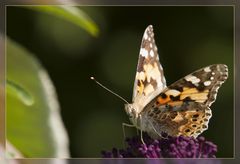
column 16, row 90
column 69, row 13
column 27, row 123
column 29, row 103
column 188, row 38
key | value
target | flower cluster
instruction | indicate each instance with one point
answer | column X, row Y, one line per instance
column 170, row 147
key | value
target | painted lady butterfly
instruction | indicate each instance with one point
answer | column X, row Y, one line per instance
column 179, row 109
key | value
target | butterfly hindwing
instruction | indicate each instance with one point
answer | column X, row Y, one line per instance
column 189, row 119
column 149, row 80
column 183, row 107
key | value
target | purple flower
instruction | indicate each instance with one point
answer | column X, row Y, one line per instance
column 169, row 147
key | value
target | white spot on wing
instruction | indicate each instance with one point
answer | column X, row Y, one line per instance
column 173, row 92
column 207, row 83
column 148, row 89
column 151, row 53
column 192, row 78
column 143, row 52
column 140, row 76
column 156, row 75
column 152, row 71
column 207, row 69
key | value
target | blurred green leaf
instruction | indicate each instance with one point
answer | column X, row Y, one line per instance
column 70, row 13
column 18, row 91
column 35, row 130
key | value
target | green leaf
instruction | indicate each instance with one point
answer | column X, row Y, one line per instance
column 70, row 13
column 18, row 91
column 33, row 124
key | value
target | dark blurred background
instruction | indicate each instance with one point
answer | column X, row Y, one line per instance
column 188, row 38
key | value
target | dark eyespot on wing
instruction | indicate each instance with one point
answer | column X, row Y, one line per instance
column 163, row 95
column 187, row 99
column 175, row 98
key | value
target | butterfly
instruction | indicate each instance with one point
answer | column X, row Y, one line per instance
column 182, row 108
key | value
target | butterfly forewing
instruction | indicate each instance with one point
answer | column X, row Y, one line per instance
column 200, row 86
column 149, row 80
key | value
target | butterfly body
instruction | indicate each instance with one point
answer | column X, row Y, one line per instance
column 183, row 108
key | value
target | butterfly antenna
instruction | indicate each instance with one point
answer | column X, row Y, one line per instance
column 92, row 78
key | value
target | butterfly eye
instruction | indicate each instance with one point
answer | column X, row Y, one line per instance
column 132, row 110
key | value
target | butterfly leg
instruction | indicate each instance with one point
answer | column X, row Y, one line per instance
column 141, row 132
column 160, row 135
column 127, row 125
column 123, row 128
column 142, row 138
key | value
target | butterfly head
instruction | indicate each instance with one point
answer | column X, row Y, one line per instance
column 131, row 111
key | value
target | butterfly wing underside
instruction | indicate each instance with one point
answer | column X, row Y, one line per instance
column 149, row 80
column 183, row 107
